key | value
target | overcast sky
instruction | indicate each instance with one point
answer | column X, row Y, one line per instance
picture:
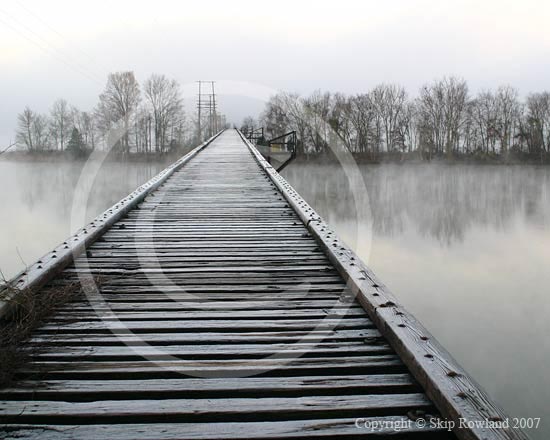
column 51, row 49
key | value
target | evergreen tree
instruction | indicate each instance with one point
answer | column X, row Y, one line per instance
column 76, row 144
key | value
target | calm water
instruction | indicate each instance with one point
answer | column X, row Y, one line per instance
column 467, row 250
column 38, row 200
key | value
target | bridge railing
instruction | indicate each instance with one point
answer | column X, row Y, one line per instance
column 280, row 149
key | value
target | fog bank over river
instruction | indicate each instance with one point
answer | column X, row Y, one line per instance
column 465, row 248
column 38, row 199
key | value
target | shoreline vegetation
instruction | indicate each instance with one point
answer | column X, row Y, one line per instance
column 443, row 123
column 129, row 120
column 325, row 157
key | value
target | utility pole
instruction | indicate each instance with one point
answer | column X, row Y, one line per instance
column 199, row 106
column 207, row 102
column 215, row 125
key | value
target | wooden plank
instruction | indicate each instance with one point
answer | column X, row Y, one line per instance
column 208, row 325
column 87, row 390
column 129, row 353
column 214, row 305
column 206, row 244
column 174, row 368
column 174, row 295
column 325, row 277
column 233, row 315
column 173, row 338
column 337, row 428
column 232, row 409
column 227, row 269
column 210, row 259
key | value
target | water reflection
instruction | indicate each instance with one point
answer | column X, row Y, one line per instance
column 467, row 250
column 440, row 202
column 38, row 200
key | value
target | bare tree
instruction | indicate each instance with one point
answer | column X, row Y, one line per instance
column 341, row 120
column 317, row 109
column 32, row 130
column 538, row 118
column 406, row 133
column 443, row 107
column 455, row 111
column 164, row 98
column 85, row 123
column 248, row 125
column 389, row 103
column 118, row 104
column 275, row 117
column 24, row 133
column 285, row 111
column 61, row 123
column 180, row 130
column 484, row 117
column 88, row 129
column 508, row 113
column 431, row 118
column 366, row 125
column 40, row 132
column 143, row 130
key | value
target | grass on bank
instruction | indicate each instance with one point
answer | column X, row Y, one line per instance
column 30, row 310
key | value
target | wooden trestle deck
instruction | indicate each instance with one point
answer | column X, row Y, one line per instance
column 228, row 309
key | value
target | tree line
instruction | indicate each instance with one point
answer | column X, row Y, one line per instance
column 146, row 119
column 443, row 120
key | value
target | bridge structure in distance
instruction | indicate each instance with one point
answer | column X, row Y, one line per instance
column 223, row 306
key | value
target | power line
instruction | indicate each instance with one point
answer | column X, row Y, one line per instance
column 46, row 46
column 55, row 31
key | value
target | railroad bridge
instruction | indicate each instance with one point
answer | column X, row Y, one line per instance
column 215, row 303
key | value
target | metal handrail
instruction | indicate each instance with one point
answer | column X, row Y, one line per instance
column 287, row 140
column 255, row 134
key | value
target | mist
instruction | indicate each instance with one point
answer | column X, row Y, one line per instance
column 48, row 200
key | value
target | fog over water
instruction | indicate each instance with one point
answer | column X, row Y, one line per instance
column 466, row 249
column 38, row 200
